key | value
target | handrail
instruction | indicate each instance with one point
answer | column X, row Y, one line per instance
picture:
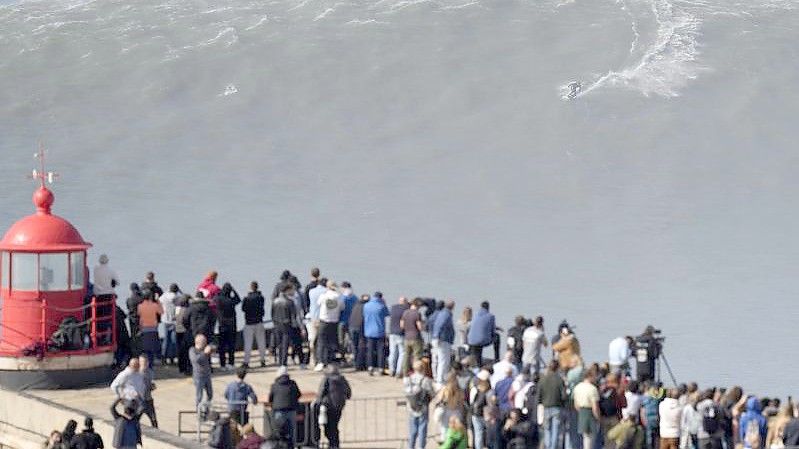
column 48, row 320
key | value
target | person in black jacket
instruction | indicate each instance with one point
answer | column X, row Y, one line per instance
column 357, row 340
column 285, row 278
column 133, row 302
column 284, row 398
column 151, row 285
column 122, row 352
column 334, row 391
column 200, row 319
column 253, row 308
column 284, row 315
column 226, row 302
column 87, row 439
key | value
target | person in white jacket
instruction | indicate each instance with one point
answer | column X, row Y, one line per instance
column 670, row 412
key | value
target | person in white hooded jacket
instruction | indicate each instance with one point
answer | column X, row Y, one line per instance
column 670, row 412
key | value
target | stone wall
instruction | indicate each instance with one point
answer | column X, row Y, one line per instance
column 24, row 419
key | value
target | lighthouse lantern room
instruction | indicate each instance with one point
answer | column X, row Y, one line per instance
column 52, row 334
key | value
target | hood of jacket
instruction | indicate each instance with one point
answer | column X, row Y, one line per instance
column 753, row 405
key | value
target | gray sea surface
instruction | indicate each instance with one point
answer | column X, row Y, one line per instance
column 431, row 147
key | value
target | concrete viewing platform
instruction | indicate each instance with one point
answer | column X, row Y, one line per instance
column 375, row 418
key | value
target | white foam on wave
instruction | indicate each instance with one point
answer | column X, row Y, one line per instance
column 227, row 35
column 665, row 66
column 230, row 89
column 323, row 14
column 260, row 22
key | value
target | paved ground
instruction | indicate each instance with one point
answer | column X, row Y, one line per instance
column 375, row 418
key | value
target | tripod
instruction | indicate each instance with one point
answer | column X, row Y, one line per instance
column 662, row 356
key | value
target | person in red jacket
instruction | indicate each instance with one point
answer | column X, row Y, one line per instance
column 209, row 288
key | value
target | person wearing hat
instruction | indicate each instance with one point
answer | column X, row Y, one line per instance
column 330, row 307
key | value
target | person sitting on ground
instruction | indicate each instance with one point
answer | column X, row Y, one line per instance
column 88, row 439
column 456, row 437
column 251, row 439
column 237, row 393
column 127, row 431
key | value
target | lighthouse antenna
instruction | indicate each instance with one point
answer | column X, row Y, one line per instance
column 42, row 174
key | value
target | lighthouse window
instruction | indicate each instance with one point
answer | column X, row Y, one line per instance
column 23, row 273
column 4, row 269
column 77, row 270
column 53, row 272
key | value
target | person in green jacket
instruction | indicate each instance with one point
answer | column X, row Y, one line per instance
column 456, row 437
column 627, row 434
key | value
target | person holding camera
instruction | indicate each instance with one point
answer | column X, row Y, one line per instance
column 647, row 351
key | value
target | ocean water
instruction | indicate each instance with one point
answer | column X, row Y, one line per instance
column 616, row 163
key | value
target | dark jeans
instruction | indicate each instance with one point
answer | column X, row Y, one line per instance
column 376, row 350
column 296, row 346
column 183, row 352
column 282, row 337
column 331, row 428
column 227, row 346
column 358, row 349
column 149, row 410
column 477, row 353
column 327, row 342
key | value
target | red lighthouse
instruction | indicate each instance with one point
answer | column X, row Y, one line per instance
column 48, row 327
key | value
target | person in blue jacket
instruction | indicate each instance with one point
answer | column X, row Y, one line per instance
column 753, row 427
column 481, row 332
column 444, row 334
column 374, row 329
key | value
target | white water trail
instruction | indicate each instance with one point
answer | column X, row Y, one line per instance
column 665, row 66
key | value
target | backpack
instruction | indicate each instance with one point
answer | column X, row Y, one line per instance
column 710, row 419
column 220, row 435
column 418, row 398
column 752, row 435
column 608, row 404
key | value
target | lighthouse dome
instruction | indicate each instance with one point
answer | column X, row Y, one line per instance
column 43, row 231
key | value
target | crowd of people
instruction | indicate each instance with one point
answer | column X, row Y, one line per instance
column 525, row 396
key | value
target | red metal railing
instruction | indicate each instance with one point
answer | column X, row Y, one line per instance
column 102, row 337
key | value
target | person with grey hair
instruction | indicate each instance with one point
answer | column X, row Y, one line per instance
column 200, row 357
